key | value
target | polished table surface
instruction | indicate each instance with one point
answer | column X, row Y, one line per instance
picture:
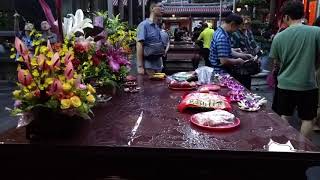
column 117, row 124
column 162, row 144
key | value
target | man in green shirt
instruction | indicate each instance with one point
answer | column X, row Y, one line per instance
column 206, row 36
column 296, row 50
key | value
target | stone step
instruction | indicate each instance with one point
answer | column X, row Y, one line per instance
column 6, row 87
column 7, row 83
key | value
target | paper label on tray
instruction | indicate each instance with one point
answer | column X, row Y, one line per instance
column 206, row 103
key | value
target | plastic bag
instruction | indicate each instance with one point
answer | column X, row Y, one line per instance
column 204, row 74
column 182, row 76
column 214, row 118
column 205, row 101
column 182, row 81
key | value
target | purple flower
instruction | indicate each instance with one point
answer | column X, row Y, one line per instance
column 17, row 103
column 114, row 65
column 116, row 59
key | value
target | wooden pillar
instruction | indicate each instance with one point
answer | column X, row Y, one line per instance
column 110, row 8
column 143, row 10
column 121, row 9
column 130, row 13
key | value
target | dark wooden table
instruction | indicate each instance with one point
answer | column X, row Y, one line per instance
column 160, row 142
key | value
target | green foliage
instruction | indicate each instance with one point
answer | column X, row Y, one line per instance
column 52, row 104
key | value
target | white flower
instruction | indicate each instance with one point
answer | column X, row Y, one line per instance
column 75, row 23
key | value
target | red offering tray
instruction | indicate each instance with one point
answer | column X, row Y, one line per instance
column 217, row 128
column 182, row 88
column 209, row 87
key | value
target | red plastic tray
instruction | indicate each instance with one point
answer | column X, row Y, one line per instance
column 182, row 89
column 217, row 128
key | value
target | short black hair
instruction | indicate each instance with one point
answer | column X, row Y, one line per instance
column 294, row 9
column 234, row 18
column 151, row 4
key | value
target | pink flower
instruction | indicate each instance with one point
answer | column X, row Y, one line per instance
column 114, row 65
column 82, row 46
column 41, row 61
column 116, row 59
column 95, row 60
column 49, row 45
column 100, row 54
column 27, row 59
column 20, row 46
column 68, row 58
column 24, row 77
column 55, row 60
column 37, row 93
column 56, row 87
column 69, row 71
column 82, row 86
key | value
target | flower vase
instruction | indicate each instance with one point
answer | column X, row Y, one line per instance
column 51, row 124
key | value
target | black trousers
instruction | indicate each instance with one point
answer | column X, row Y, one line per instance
column 205, row 54
column 244, row 80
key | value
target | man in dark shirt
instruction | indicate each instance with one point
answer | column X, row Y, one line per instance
column 222, row 57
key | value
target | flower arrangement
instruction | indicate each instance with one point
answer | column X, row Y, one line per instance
column 103, row 65
column 47, row 78
column 61, row 77
column 106, row 62
column 119, row 34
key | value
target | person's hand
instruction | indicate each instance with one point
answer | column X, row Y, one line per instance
column 141, row 70
column 16, row 15
column 247, row 56
column 240, row 61
column 237, row 49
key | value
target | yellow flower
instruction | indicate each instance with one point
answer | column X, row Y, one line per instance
column 25, row 89
column 65, row 104
column 43, row 49
column 65, row 48
column 48, row 81
column 91, row 89
column 50, row 54
column 20, row 59
column 34, row 62
column 16, row 93
column 35, row 73
column 12, row 56
column 33, row 84
column 91, row 99
column 62, row 78
column 76, row 102
column 61, row 53
column 28, row 96
column 71, row 82
column 66, row 87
